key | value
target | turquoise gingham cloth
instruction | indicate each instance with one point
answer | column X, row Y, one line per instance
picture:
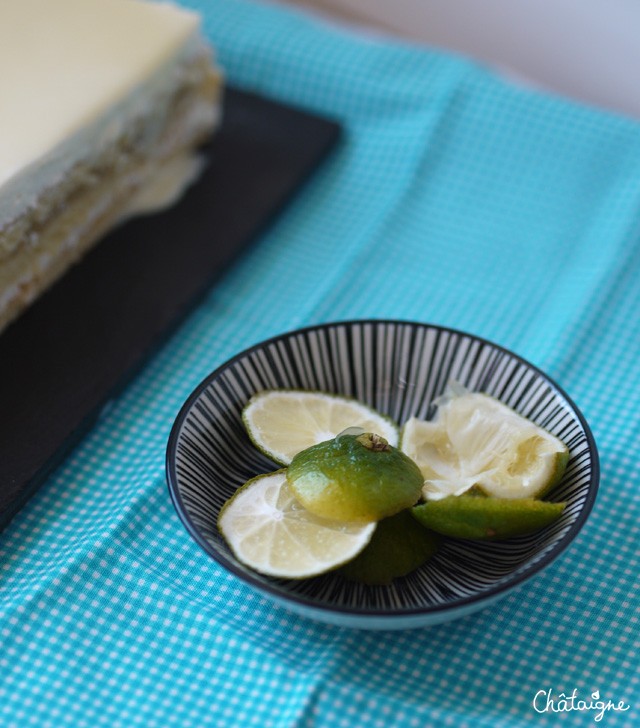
column 454, row 198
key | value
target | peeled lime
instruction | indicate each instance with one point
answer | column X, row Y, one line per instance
column 486, row 518
column 475, row 440
column 399, row 545
column 354, row 478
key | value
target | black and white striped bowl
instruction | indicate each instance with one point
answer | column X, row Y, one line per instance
column 399, row 368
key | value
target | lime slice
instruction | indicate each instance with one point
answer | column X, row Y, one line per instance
column 283, row 422
column 354, row 478
column 399, row 545
column 476, row 440
column 269, row 531
column 486, row 519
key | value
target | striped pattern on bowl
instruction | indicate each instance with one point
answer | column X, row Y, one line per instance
column 399, row 368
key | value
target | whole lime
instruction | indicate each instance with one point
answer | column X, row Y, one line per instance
column 354, row 478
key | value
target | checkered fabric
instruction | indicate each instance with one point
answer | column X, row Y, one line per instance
column 453, row 198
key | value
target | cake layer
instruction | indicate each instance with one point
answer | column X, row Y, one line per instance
column 119, row 89
column 75, row 71
column 98, row 193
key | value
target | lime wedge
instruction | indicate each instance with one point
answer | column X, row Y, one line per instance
column 476, row 440
column 269, row 531
column 486, row 519
column 283, row 422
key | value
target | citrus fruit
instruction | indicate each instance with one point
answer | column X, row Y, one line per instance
column 354, row 478
column 399, row 545
column 269, row 531
column 477, row 440
column 485, row 518
column 283, row 422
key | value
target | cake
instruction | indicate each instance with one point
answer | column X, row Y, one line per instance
column 103, row 104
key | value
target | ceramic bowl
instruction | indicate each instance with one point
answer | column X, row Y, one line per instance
column 399, row 368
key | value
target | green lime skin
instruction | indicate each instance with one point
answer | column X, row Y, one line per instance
column 399, row 545
column 486, row 519
column 354, row 478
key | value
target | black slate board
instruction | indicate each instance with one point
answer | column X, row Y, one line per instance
column 83, row 340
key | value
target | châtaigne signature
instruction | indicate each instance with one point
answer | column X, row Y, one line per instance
column 546, row 702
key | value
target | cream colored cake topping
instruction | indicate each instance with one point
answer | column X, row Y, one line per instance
column 103, row 104
column 75, row 67
column 167, row 185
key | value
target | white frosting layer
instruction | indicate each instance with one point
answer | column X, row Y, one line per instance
column 79, row 71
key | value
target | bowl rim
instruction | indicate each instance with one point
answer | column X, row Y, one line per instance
column 300, row 601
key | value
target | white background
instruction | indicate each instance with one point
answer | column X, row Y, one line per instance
column 588, row 50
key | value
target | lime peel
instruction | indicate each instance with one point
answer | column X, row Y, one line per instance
column 486, row 518
column 399, row 545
